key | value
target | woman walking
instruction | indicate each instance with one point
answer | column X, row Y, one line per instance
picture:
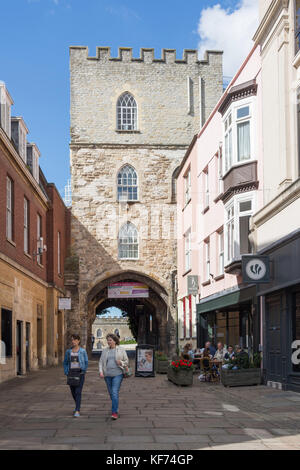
column 112, row 365
column 75, row 366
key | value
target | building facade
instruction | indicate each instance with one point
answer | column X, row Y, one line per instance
column 32, row 215
column 276, row 227
column 219, row 189
column 104, row 326
column 132, row 120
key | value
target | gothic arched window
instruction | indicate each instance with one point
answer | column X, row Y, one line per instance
column 128, row 242
column 127, row 184
column 126, row 113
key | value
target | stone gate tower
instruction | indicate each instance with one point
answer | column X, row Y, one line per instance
column 132, row 120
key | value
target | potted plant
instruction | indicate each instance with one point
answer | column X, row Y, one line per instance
column 180, row 372
column 161, row 362
column 242, row 371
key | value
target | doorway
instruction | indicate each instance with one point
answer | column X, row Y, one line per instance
column 40, row 341
column 273, row 330
column 19, row 348
column 27, row 347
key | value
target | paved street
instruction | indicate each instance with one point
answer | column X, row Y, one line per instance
column 36, row 413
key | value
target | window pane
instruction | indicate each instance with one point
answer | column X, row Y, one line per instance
column 245, row 206
column 243, row 112
column 245, row 246
column 243, row 136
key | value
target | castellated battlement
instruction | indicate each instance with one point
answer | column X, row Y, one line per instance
column 168, row 56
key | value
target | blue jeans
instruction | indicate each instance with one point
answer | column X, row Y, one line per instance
column 76, row 393
column 113, row 386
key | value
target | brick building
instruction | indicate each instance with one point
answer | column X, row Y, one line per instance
column 132, row 120
column 32, row 251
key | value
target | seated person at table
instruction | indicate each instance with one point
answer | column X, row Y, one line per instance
column 212, row 349
column 197, row 357
column 230, row 353
column 188, row 350
column 219, row 354
column 241, row 358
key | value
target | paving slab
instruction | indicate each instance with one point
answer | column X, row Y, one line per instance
column 36, row 413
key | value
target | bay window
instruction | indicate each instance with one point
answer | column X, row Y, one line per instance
column 238, row 134
column 237, row 218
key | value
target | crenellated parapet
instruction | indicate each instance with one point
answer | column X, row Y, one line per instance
column 147, row 55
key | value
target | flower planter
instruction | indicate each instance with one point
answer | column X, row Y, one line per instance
column 235, row 378
column 161, row 367
column 180, row 377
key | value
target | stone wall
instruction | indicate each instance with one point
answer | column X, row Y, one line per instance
column 172, row 97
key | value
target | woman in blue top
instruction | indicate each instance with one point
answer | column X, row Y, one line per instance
column 76, row 359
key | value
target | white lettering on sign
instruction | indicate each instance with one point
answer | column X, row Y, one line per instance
column 296, row 354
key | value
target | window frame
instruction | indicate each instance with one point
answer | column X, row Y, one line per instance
column 221, row 252
column 234, row 203
column 188, row 250
column 39, row 257
column 127, row 186
column 26, row 226
column 128, row 110
column 129, row 244
column 59, row 253
column 9, row 208
column 251, row 118
column 187, row 186
column 207, row 259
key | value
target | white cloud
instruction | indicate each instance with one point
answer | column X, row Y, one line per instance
column 230, row 31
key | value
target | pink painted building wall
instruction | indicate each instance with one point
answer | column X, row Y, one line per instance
column 225, row 177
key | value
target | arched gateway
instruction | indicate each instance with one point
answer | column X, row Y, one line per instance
column 150, row 313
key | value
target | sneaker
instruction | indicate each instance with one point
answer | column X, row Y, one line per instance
column 76, row 414
column 114, row 416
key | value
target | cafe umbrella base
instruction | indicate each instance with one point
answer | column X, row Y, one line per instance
column 180, row 377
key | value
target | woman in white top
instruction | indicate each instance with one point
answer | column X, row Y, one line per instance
column 112, row 365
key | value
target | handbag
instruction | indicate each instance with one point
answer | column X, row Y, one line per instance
column 73, row 378
column 127, row 372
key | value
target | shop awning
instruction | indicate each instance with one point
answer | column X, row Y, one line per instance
column 226, row 300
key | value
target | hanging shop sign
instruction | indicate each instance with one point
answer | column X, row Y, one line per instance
column 192, row 286
column 256, row 269
column 127, row 290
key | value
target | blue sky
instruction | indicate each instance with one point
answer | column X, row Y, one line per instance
column 34, row 52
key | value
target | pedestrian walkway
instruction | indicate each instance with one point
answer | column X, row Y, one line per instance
column 36, row 413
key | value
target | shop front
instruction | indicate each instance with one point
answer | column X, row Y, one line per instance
column 280, row 300
column 231, row 318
